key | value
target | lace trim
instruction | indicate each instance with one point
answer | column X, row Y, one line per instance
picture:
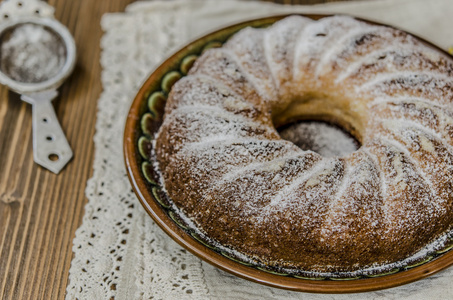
column 118, row 248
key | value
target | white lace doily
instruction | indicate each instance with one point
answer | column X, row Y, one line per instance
column 119, row 253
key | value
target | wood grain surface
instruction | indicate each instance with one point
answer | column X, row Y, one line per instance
column 40, row 211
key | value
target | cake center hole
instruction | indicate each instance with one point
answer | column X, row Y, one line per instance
column 323, row 138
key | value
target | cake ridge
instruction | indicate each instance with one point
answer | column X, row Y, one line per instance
column 214, row 108
column 287, row 25
column 337, row 197
column 406, row 123
column 377, row 165
column 382, row 78
column 256, row 81
column 380, row 53
column 297, row 43
column 316, row 35
column 400, row 147
column 234, row 173
column 437, row 125
column 225, row 139
column 410, row 99
column 332, row 51
column 320, row 166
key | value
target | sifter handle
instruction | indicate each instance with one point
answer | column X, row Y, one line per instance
column 50, row 146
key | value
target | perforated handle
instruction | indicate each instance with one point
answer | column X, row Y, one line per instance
column 50, row 146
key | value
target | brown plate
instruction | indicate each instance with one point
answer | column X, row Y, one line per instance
column 144, row 120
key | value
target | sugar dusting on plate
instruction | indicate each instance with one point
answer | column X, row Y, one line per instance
column 320, row 137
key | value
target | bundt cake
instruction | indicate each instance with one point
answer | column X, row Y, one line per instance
column 225, row 167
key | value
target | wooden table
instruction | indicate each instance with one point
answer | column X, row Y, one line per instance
column 40, row 211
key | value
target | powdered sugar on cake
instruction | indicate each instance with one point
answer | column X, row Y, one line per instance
column 342, row 210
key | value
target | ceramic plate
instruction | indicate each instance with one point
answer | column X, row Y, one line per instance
column 143, row 121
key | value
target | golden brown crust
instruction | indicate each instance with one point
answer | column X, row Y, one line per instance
column 225, row 167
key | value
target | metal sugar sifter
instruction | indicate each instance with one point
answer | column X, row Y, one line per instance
column 36, row 55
